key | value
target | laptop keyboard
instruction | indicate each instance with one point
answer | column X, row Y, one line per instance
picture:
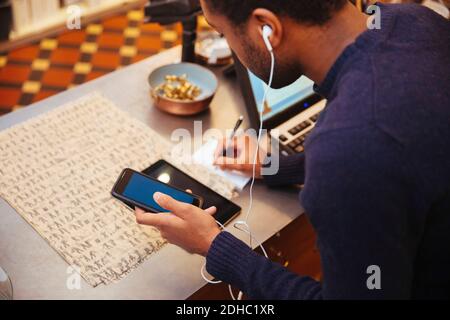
column 297, row 144
column 315, row 117
column 302, row 126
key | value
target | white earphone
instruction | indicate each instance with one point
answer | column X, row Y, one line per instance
column 243, row 225
column 267, row 32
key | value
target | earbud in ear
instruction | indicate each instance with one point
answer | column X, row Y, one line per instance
column 267, row 32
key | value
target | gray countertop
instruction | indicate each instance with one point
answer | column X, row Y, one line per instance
column 38, row 272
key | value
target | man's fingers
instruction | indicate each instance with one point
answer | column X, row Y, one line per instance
column 151, row 219
column 211, row 210
column 227, row 146
column 188, row 190
column 229, row 163
column 220, row 146
column 139, row 210
column 167, row 202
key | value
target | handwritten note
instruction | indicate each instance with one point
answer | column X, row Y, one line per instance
column 57, row 171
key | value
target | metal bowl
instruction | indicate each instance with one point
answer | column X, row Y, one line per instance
column 197, row 75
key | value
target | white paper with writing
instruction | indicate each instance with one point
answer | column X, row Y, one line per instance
column 205, row 157
column 57, row 171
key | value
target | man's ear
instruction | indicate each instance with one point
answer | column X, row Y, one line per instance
column 262, row 17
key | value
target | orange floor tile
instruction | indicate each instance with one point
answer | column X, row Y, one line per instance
column 77, row 56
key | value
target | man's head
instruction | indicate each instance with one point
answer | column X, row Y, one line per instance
column 241, row 22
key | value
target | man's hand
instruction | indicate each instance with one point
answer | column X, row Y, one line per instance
column 186, row 226
column 240, row 155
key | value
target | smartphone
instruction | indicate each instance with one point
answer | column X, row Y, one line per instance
column 137, row 189
column 164, row 171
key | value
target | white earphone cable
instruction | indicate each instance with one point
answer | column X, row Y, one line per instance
column 255, row 159
column 246, row 228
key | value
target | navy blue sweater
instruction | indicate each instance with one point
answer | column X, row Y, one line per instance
column 376, row 173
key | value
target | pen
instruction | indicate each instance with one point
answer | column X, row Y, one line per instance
column 233, row 133
column 236, row 127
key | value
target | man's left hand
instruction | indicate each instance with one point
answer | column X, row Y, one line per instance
column 186, row 226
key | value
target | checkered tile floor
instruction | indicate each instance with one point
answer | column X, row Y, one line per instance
column 37, row 71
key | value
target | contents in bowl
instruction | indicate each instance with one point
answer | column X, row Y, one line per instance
column 178, row 88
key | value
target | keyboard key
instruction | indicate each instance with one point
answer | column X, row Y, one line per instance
column 283, row 138
column 315, row 117
column 299, row 149
column 302, row 126
column 294, row 131
column 293, row 145
column 306, row 124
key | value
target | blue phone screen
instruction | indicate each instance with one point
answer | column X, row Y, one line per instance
column 141, row 190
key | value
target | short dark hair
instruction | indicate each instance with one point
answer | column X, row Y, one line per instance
column 314, row 12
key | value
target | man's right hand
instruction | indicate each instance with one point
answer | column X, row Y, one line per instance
column 240, row 155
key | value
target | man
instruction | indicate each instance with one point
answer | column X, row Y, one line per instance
column 376, row 169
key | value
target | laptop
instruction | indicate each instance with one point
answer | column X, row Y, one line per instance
column 293, row 110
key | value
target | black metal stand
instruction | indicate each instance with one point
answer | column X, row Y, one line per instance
column 167, row 12
column 5, row 19
column 189, row 38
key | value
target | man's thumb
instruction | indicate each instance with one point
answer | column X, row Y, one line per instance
column 167, row 202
